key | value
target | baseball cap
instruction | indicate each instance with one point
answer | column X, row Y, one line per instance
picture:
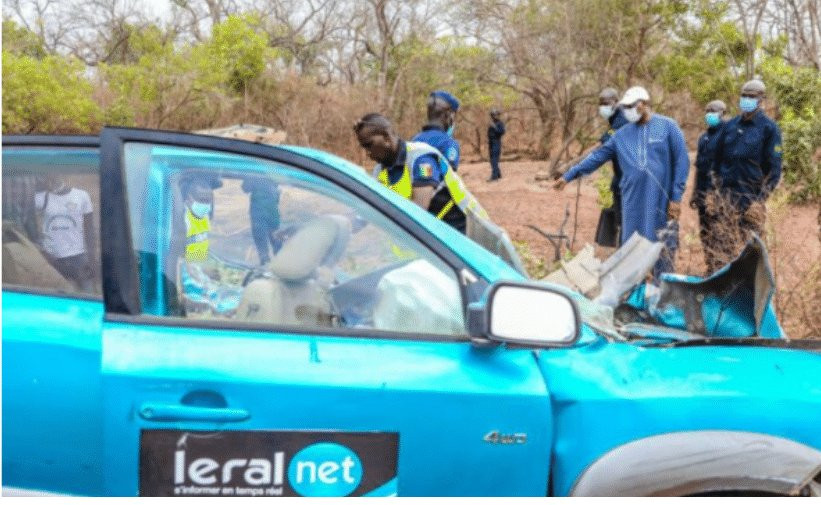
column 633, row 95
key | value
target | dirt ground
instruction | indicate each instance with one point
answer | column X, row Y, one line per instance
column 793, row 238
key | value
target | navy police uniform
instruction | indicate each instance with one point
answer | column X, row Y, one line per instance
column 494, row 138
column 707, row 144
column 435, row 136
column 748, row 159
column 747, row 168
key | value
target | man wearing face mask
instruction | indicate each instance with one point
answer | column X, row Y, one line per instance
column 714, row 118
column 611, row 111
column 748, row 162
column 654, row 163
column 438, row 132
column 196, row 271
column 67, row 234
column 198, row 204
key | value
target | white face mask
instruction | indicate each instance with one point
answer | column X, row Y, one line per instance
column 605, row 111
column 632, row 114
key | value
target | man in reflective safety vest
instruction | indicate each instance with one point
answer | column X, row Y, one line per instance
column 195, row 281
column 416, row 171
column 198, row 203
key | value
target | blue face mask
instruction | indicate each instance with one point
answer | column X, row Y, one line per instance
column 450, row 130
column 712, row 119
column 200, row 210
column 747, row 104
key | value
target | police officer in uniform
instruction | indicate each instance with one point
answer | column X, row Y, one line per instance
column 415, row 171
column 747, row 165
column 714, row 118
column 494, row 139
column 438, row 132
column 611, row 111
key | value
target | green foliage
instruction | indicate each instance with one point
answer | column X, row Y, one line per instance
column 537, row 268
column 166, row 86
column 21, row 41
column 48, row 95
column 236, row 51
column 797, row 92
column 602, row 183
column 704, row 55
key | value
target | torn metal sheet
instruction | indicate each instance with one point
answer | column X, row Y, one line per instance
column 250, row 132
column 733, row 302
column 626, row 267
column 608, row 280
column 581, row 273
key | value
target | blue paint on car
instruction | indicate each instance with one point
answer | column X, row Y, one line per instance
column 79, row 386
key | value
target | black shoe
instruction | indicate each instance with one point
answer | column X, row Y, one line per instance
column 492, row 179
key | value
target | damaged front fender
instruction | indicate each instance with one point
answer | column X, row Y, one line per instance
column 702, row 462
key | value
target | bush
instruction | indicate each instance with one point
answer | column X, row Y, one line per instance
column 797, row 92
column 48, row 95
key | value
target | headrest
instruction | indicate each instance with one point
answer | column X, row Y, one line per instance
column 306, row 250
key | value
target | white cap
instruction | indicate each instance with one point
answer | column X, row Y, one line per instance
column 633, row 95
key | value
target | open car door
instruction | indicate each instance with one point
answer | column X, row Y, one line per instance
column 326, row 372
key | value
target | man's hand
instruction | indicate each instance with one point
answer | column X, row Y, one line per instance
column 559, row 184
column 422, row 195
column 674, row 210
column 711, row 203
column 693, row 203
column 756, row 213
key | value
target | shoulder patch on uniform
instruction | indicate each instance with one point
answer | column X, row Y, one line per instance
column 777, row 149
column 611, row 131
column 426, row 170
column 452, row 153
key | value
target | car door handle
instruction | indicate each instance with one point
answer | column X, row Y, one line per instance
column 177, row 412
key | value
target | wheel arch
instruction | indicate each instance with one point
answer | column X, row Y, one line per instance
column 699, row 462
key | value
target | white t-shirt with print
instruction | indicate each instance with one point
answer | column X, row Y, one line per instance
column 63, row 230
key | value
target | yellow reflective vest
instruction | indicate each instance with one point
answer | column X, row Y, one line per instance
column 196, row 237
column 451, row 182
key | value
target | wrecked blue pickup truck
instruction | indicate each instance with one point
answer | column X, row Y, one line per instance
column 146, row 350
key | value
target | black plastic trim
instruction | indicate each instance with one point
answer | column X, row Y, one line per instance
column 808, row 344
column 121, row 285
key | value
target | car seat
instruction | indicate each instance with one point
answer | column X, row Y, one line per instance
column 291, row 290
column 25, row 265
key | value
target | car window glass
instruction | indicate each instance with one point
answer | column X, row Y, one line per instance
column 51, row 222
column 229, row 237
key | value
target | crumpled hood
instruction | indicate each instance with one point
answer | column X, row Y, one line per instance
column 733, row 302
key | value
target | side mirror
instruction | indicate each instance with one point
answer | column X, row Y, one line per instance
column 525, row 314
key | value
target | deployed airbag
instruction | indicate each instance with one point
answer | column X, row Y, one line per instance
column 419, row 298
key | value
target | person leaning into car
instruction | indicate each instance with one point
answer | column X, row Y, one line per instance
column 414, row 170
